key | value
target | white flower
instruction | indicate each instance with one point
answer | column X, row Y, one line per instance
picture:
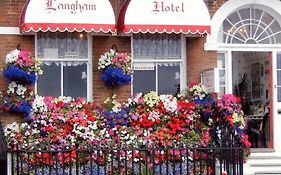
column 151, row 98
column 116, row 106
column 153, row 116
column 11, row 128
column 11, row 87
column 105, row 59
column 38, row 104
column 64, row 99
column 169, row 102
column 21, row 90
column 27, row 133
column 198, row 91
column 12, row 56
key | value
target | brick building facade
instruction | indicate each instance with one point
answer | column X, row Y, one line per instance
column 10, row 16
column 225, row 44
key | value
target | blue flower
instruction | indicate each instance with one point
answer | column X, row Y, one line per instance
column 24, row 109
column 115, row 77
column 14, row 73
column 208, row 100
column 116, row 118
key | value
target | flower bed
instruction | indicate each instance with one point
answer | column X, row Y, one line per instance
column 148, row 120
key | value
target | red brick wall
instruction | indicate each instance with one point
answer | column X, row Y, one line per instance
column 214, row 5
column 7, row 118
column 102, row 44
column 10, row 12
column 198, row 59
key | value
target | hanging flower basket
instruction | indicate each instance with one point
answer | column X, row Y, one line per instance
column 22, row 108
column 17, row 98
column 115, row 77
column 13, row 73
column 115, row 68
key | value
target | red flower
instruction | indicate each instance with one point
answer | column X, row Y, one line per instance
column 49, row 129
column 187, row 106
column 67, row 129
column 229, row 118
column 60, row 104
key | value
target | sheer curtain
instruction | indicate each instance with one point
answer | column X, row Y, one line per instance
column 157, row 45
column 64, row 45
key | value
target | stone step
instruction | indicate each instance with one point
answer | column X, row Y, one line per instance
column 264, row 156
column 267, row 171
column 262, row 170
column 264, row 162
column 262, row 150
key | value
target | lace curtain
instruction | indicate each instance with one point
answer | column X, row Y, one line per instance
column 157, row 45
column 65, row 63
column 62, row 46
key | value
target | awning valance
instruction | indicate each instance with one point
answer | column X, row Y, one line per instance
column 68, row 15
column 164, row 16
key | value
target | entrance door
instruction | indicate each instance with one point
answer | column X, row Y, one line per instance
column 251, row 80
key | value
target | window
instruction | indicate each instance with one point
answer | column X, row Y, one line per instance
column 157, row 63
column 250, row 26
column 222, row 73
column 65, row 64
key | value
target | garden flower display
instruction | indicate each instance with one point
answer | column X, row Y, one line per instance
column 22, row 67
column 17, row 98
column 144, row 120
column 116, row 68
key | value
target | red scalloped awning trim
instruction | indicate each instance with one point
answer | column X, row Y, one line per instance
column 166, row 29
column 36, row 27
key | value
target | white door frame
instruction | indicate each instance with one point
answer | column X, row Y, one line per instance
column 273, row 7
column 276, row 112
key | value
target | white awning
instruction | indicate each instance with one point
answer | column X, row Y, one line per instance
column 169, row 16
column 68, row 15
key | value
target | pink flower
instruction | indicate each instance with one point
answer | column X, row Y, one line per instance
column 49, row 102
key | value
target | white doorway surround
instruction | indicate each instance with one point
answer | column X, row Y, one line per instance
column 251, row 32
column 276, row 97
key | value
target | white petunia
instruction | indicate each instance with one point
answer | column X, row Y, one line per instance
column 38, row 104
column 12, row 56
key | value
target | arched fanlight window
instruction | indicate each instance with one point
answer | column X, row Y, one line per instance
column 250, row 26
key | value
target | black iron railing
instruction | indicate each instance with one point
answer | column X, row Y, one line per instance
column 3, row 158
column 224, row 156
column 129, row 161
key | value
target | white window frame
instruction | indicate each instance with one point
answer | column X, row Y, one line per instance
column 238, row 28
column 88, row 61
column 181, row 60
column 272, row 7
column 218, row 74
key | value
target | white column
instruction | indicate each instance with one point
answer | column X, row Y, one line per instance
column 183, row 82
column 276, row 107
column 90, row 68
column 228, row 66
